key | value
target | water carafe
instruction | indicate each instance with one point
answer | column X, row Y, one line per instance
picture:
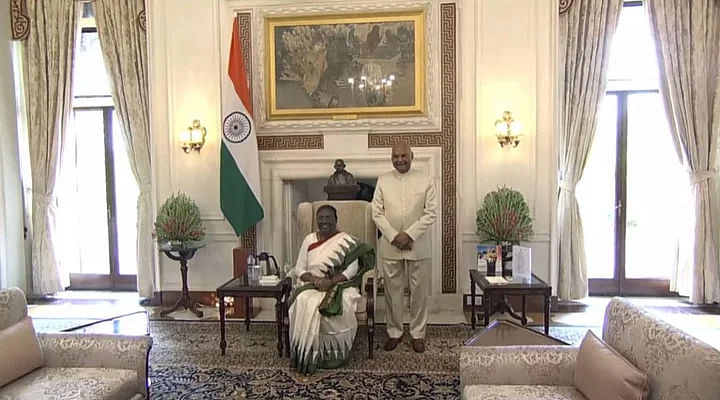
column 254, row 269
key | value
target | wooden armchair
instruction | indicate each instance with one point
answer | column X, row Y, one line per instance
column 355, row 218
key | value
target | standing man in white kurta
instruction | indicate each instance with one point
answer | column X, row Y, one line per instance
column 404, row 207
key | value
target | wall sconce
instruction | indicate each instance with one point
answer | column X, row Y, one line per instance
column 193, row 138
column 508, row 131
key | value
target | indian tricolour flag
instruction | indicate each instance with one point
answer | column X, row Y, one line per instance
column 239, row 168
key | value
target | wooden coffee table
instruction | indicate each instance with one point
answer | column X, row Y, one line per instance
column 497, row 292
column 239, row 287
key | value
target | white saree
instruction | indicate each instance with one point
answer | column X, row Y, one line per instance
column 317, row 341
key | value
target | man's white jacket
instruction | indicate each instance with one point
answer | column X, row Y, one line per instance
column 404, row 202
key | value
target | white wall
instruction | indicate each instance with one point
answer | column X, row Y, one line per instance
column 185, row 77
column 507, row 49
column 505, row 61
column 12, row 255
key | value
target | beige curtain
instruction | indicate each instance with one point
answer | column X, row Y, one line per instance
column 687, row 37
column 586, row 29
column 124, row 47
column 47, row 64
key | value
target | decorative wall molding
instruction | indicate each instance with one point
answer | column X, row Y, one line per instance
column 19, row 20
column 290, row 142
column 427, row 123
column 248, row 240
column 244, row 26
column 142, row 20
column 446, row 139
column 565, row 5
column 416, row 140
column 448, row 35
column 538, row 237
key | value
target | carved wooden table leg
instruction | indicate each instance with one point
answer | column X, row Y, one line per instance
column 546, row 310
column 472, row 302
column 279, row 315
column 248, row 313
column 184, row 301
column 370, row 310
column 223, row 343
column 286, row 316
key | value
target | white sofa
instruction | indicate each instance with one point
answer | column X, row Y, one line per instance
column 678, row 365
column 78, row 365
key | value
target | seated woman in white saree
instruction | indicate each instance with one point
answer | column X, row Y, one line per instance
column 329, row 272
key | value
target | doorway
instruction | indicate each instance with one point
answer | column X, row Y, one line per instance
column 633, row 194
column 97, row 191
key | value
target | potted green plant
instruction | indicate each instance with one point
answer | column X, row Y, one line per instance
column 504, row 218
column 178, row 223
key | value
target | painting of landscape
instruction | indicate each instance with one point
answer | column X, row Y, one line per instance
column 334, row 65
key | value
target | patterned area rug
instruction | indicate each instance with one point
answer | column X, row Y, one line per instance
column 186, row 363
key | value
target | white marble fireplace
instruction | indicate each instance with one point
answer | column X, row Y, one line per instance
column 292, row 176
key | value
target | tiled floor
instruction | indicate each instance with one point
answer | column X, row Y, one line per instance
column 84, row 307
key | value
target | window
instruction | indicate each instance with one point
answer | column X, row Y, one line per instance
column 633, row 193
column 97, row 192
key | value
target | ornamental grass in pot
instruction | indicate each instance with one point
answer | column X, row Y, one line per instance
column 178, row 223
column 504, row 219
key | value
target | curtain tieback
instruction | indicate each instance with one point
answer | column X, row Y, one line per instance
column 567, row 186
column 145, row 189
column 43, row 198
column 700, row 177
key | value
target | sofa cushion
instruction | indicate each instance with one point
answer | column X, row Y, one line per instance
column 602, row 373
column 678, row 365
column 73, row 383
column 19, row 345
column 13, row 307
column 521, row 392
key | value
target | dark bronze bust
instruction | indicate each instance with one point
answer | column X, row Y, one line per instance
column 341, row 184
column 341, row 177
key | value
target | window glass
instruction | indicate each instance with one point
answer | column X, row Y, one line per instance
column 633, row 62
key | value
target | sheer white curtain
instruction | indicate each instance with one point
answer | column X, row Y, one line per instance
column 124, row 47
column 47, row 65
column 687, row 37
column 586, row 30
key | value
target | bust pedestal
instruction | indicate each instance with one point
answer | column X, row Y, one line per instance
column 341, row 192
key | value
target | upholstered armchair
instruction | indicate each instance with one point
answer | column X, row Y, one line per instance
column 355, row 218
column 67, row 365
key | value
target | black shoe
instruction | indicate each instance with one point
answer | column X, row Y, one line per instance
column 418, row 345
column 392, row 343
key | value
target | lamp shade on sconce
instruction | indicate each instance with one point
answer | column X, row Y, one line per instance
column 193, row 138
column 185, row 136
column 508, row 131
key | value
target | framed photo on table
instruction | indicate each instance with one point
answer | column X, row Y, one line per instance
column 345, row 66
column 489, row 258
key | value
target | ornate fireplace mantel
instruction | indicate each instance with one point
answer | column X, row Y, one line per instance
column 280, row 170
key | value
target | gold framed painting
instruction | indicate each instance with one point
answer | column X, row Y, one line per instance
column 337, row 67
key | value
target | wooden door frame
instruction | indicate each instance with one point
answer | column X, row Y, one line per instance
column 620, row 285
column 114, row 280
